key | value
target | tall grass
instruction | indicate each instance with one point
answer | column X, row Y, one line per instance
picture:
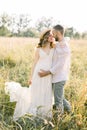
column 16, row 57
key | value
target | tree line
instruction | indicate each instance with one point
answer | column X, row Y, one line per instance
column 20, row 26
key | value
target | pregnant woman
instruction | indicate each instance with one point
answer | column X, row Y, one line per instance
column 37, row 99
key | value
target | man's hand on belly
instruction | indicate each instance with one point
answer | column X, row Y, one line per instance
column 43, row 73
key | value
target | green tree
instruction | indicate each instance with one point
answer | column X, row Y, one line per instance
column 19, row 24
column 44, row 23
column 4, row 25
column 4, row 31
column 31, row 32
column 22, row 23
column 77, row 35
column 84, row 35
column 69, row 32
column 4, row 20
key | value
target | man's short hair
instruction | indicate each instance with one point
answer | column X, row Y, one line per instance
column 59, row 28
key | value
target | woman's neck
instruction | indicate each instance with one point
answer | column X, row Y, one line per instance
column 47, row 45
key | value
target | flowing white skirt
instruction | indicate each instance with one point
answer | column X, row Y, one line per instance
column 35, row 100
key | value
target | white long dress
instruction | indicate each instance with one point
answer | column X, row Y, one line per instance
column 37, row 99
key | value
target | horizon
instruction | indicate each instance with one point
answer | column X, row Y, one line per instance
column 70, row 13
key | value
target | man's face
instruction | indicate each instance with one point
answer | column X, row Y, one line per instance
column 57, row 35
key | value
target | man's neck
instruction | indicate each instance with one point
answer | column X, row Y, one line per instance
column 61, row 39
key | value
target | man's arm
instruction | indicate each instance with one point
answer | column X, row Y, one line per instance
column 60, row 64
column 43, row 73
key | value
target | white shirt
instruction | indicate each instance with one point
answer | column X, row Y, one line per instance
column 61, row 61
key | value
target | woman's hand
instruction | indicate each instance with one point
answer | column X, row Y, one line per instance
column 54, row 45
column 30, row 82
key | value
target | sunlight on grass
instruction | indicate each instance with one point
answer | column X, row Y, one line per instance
column 16, row 57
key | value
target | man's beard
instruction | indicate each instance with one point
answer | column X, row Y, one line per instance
column 56, row 39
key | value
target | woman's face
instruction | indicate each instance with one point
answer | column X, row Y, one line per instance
column 51, row 38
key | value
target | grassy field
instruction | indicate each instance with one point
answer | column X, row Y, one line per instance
column 16, row 57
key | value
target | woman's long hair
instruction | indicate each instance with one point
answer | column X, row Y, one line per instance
column 44, row 39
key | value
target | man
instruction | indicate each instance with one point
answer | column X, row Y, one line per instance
column 60, row 69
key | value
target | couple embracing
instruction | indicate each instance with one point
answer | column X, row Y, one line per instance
column 49, row 75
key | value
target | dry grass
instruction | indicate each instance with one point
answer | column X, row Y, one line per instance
column 16, row 57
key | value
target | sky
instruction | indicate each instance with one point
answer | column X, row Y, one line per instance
column 67, row 12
